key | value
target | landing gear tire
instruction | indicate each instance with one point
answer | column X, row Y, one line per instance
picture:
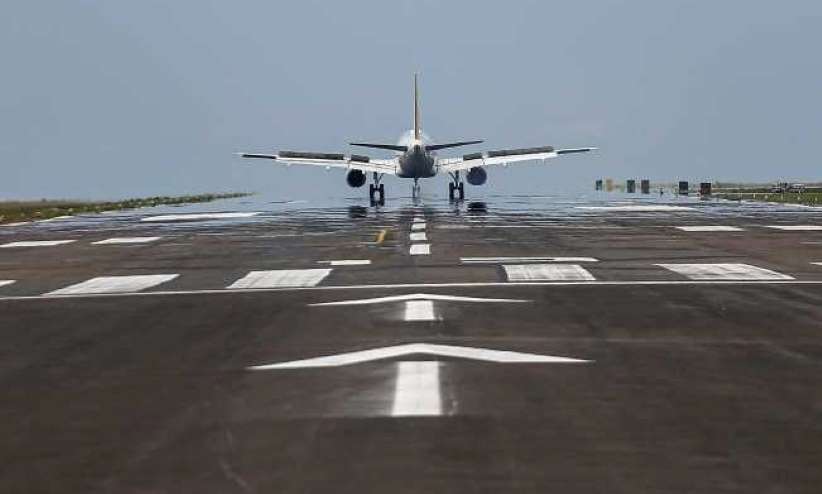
column 379, row 192
column 459, row 189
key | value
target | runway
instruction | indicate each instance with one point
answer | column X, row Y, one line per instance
column 509, row 344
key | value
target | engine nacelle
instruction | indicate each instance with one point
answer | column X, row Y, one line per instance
column 355, row 178
column 477, row 176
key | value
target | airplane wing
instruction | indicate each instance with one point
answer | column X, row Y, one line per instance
column 329, row 160
column 504, row 157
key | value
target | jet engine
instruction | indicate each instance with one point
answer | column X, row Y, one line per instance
column 355, row 178
column 477, row 176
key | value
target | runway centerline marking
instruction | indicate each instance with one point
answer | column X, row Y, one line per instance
column 126, row 240
column 725, row 271
column 502, row 260
column 199, row 216
column 420, row 249
column 346, row 262
column 419, row 310
column 115, row 284
column 280, row 278
column 36, row 243
column 796, row 228
column 418, row 237
column 546, row 272
column 417, row 227
column 709, row 228
column 417, row 389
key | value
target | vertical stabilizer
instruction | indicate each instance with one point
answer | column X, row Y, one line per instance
column 416, row 109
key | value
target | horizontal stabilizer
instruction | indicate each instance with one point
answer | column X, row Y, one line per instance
column 390, row 147
column 435, row 147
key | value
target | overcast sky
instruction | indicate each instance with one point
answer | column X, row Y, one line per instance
column 103, row 99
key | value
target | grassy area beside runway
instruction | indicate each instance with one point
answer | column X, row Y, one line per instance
column 14, row 211
column 807, row 198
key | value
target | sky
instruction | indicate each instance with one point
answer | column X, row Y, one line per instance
column 109, row 99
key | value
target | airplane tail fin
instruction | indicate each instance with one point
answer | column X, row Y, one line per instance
column 416, row 109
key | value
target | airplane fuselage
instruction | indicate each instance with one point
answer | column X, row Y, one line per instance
column 416, row 162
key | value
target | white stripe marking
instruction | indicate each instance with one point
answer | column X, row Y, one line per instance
column 418, row 237
column 725, row 271
column 417, row 227
column 417, row 296
column 796, row 228
column 817, row 263
column 36, row 243
column 281, row 278
column 547, row 272
column 419, row 310
column 126, row 240
column 498, row 356
column 500, row 260
column 418, row 219
column 16, row 223
column 709, row 228
column 639, row 208
column 417, row 390
column 6, row 282
column 346, row 262
column 115, row 284
column 200, row 216
column 420, row 250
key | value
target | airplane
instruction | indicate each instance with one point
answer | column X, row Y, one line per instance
column 416, row 158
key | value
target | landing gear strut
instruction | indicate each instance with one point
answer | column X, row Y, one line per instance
column 377, row 189
column 415, row 190
column 456, row 185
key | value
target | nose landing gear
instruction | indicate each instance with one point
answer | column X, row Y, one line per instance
column 377, row 189
column 456, row 187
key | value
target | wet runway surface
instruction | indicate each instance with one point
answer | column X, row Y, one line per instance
column 515, row 344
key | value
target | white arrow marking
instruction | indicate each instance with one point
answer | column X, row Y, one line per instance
column 418, row 296
column 484, row 354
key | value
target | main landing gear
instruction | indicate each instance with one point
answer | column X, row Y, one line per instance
column 376, row 191
column 456, row 186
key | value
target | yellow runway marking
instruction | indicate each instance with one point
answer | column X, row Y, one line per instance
column 381, row 236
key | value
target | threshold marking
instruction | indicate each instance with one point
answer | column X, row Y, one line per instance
column 115, row 284
column 419, row 219
column 36, row 243
column 346, row 262
column 280, row 278
column 417, row 227
column 470, row 353
column 710, row 228
column 796, row 228
column 419, row 310
column 420, row 250
column 501, row 260
column 6, row 282
column 199, row 216
column 725, row 271
column 417, row 390
column 418, row 296
column 547, row 272
column 126, row 240
column 418, row 237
